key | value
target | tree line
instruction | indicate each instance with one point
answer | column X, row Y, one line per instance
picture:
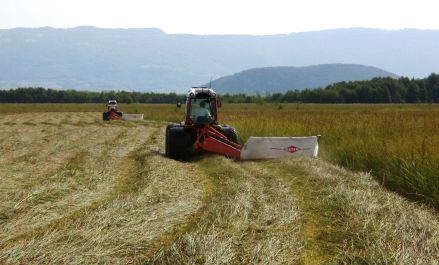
column 43, row 95
column 377, row 90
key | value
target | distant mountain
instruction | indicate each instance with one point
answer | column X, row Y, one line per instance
column 151, row 60
column 281, row 79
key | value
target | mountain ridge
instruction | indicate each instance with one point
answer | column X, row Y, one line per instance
column 284, row 78
column 90, row 58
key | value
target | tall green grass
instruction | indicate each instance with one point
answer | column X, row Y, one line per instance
column 398, row 144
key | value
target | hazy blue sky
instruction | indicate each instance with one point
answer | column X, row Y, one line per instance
column 221, row 16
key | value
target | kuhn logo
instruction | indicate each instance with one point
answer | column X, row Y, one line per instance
column 290, row 149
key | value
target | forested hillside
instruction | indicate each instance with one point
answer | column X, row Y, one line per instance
column 284, row 78
column 377, row 90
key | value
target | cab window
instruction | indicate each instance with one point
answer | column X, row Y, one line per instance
column 202, row 110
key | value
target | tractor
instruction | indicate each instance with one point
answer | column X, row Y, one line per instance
column 201, row 132
column 200, row 129
column 112, row 113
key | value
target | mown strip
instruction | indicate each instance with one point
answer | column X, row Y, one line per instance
column 164, row 241
column 246, row 221
column 38, row 191
column 131, row 181
column 348, row 218
column 321, row 233
column 33, row 179
column 117, row 229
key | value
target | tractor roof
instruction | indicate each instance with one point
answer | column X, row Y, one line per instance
column 201, row 92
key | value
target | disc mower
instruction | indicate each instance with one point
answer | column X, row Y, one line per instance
column 201, row 132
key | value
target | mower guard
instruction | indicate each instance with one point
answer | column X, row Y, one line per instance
column 276, row 147
column 211, row 140
column 132, row 117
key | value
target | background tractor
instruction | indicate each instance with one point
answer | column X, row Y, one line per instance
column 112, row 113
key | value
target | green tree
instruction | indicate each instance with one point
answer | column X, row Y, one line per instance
column 412, row 95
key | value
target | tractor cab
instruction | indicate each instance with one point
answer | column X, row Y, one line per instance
column 201, row 106
column 112, row 105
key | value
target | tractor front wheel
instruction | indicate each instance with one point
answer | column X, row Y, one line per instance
column 105, row 116
column 178, row 142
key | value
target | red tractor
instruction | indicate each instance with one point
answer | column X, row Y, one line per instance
column 112, row 113
column 200, row 129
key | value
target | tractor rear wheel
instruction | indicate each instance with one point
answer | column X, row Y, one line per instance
column 178, row 142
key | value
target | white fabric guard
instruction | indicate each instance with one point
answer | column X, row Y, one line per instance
column 275, row 147
column 132, row 117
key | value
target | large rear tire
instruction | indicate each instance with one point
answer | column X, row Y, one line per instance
column 167, row 141
column 178, row 142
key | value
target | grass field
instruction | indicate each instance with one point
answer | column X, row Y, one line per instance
column 77, row 190
column 397, row 144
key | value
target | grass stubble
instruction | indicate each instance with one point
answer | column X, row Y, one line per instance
column 251, row 218
column 112, row 202
column 349, row 218
column 77, row 190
